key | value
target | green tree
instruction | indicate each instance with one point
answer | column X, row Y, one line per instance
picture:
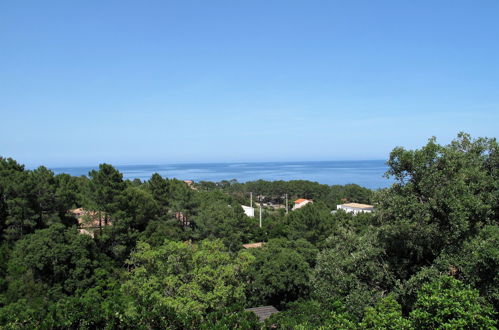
column 442, row 195
column 477, row 263
column 231, row 318
column 56, row 260
column 352, row 270
column 386, row 314
column 310, row 314
column 216, row 219
column 158, row 230
column 281, row 272
column 66, row 194
column 44, row 267
column 99, row 307
column 4, row 258
column 18, row 214
column 159, row 188
column 47, row 206
column 106, row 185
column 447, row 303
column 135, row 208
column 178, row 284
column 172, row 195
column 312, row 222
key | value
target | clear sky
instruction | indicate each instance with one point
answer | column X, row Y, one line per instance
column 141, row 82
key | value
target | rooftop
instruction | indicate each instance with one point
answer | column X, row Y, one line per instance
column 253, row 245
column 301, row 200
column 358, row 206
column 90, row 219
column 263, row 312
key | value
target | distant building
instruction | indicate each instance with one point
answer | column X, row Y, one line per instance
column 253, row 245
column 355, row 208
column 190, row 183
column 263, row 312
column 249, row 211
column 90, row 221
column 299, row 203
column 182, row 218
column 77, row 212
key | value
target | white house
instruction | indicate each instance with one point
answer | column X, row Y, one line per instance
column 355, row 208
column 299, row 203
column 249, row 211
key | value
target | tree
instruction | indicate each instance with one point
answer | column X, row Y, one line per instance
column 66, row 194
column 57, row 260
column 477, row 263
column 216, row 218
column 44, row 193
column 352, row 270
column 447, row 303
column 310, row 314
column 181, row 196
column 281, row 272
column 135, row 208
column 356, row 193
column 45, row 267
column 99, row 307
column 231, row 318
column 312, row 222
column 106, row 185
column 172, row 195
column 139, row 205
column 442, row 196
column 158, row 230
column 159, row 189
column 18, row 216
column 386, row 314
column 4, row 258
column 177, row 284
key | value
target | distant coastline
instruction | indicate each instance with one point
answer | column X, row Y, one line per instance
column 366, row 173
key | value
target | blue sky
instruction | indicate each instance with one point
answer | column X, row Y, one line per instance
column 137, row 82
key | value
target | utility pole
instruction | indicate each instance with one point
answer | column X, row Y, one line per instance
column 251, row 199
column 286, row 203
column 260, row 212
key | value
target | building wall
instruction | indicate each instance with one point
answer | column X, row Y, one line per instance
column 353, row 210
column 300, row 205
column 249, row 211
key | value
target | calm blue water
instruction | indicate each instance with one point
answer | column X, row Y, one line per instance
column 367, row 173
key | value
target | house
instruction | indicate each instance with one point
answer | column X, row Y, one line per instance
column 249, row 211
column 182, row 218
column 355, row 208
column 77, row 212
column 190, row 184
column 90, row 221
column 299, row 203
column 263, row 312
column 253, row 245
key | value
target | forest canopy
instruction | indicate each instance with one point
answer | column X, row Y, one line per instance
column 99, row 251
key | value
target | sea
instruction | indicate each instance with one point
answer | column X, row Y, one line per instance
column 366, row 173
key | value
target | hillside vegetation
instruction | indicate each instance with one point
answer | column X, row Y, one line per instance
column 164, row 254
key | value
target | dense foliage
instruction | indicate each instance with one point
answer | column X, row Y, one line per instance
column 168, row 254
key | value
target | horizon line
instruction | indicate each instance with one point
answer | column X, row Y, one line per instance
column 205, row 163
